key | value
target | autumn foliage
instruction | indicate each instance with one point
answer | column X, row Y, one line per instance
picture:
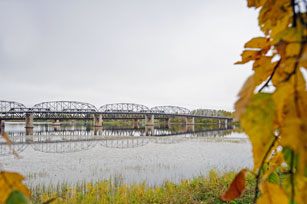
column 272, row 108
column 12, row 188
column 236, row 187
column 272, row 104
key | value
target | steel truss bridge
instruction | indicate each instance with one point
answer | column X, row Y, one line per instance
column 62, row 110
column 78, row 140
column 68, row 110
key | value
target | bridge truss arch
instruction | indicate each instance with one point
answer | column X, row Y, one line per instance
column 124, row 108
column 6, row 106
column 5, row 150
column 18, row 144
column 171, row 110
column 63, row 143
column 168, row 140
column 66, row 106
column 124, row 143
column 62, row 147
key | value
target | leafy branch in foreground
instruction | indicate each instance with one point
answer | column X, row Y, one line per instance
column 279, row 58
column 12, row 190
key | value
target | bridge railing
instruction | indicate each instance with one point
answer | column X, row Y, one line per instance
column 29, row 110
column 71, row 110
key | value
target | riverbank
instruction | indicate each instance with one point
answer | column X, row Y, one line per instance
column 198, row 190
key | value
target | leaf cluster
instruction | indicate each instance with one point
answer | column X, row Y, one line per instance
column 276, row 120
column 12, row 189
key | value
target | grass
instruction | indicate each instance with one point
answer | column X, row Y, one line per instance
column 197, row 190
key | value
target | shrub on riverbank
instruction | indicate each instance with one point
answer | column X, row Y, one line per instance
column 198, row 190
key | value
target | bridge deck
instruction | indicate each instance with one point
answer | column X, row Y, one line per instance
column 43, row 114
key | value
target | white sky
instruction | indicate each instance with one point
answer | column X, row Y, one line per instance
column 151, row 52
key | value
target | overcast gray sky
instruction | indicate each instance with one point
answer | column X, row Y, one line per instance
column 151, row 52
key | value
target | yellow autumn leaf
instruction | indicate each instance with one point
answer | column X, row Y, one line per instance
column 303, row 59
column 293, row 49
column 258, row 123
column 301, row 193
column 272, row 194
column 302, row 104
column 294, row 135
column 248, row 55
column 258, row 42
column 282, row 73
column 281, row 25
column 281, row 98
column 11, row 181
column 288, row 65
column 291, row 133
column 245, row 96
column 271, row 13
column 290, row 34
column 255, row 3
column 263, row 69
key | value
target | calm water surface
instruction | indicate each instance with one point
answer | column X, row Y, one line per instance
column 78, row 152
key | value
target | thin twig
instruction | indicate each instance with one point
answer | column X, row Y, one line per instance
column 262, row 163
column 270, row 78
column 300, row 14
column 294, row 13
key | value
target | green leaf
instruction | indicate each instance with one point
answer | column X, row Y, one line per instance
column 273, row 178
column 16, row 197
column 287, row 155
column 258, row 123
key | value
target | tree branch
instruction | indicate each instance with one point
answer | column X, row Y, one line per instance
column 259, row 171
column 294, row 13
column 303, row 43
column 270, row 78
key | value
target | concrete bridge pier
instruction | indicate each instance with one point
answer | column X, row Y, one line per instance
column 189, row 121
column 149, row 130
column 149, row 120
column 2, row 126
column 29, row 124
column 98, row 120
column 136, row 124
column 97, row 131
column 2, row 123
column 29, row 120
column 189, row 128
column 29, row 131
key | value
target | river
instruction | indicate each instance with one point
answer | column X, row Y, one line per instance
column 73, row 153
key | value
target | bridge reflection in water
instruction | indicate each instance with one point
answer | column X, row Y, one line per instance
column 73, row 139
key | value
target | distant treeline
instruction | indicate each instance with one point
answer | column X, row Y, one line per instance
column 211, row 112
